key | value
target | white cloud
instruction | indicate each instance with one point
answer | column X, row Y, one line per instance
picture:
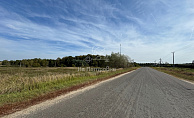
column 147, row 31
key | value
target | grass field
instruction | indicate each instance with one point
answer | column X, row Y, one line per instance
column 183, row 73
column 22, row 84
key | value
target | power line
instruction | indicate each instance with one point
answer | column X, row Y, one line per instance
column 185, row 56
column 166, row 56
column 186, row 46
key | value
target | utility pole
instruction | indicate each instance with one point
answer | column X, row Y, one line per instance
column 173, row 58
column 160, row 61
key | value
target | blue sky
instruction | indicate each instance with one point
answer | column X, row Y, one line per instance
column 147, row 30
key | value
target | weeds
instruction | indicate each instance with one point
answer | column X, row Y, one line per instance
column 184, row 73
column 18, row 84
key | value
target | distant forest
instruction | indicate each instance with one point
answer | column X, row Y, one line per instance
column 114, row 60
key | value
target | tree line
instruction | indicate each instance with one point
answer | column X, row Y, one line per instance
column 115, row 60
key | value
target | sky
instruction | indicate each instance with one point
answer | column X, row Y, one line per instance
column 147, row 30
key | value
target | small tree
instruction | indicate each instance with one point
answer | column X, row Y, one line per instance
column 36, row 65
column 6, row 62
column 58, row 62
column 44, row 63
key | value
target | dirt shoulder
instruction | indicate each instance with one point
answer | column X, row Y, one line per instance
column 181, row 73
column 11, row 108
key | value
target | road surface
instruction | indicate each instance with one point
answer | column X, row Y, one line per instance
column 144, row 93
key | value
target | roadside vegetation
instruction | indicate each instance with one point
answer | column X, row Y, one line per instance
column 23, row 84
column 183, row 73
column 29, row 79
column 115, row 60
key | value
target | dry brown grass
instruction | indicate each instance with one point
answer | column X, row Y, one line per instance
column 184, row 73
column 17, row 79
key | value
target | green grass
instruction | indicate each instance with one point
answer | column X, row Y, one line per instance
column 22, row 84
column 183, row 73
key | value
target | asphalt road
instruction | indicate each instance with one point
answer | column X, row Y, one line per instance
column 144, row 93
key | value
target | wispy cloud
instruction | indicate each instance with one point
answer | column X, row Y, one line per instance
column 49, row 29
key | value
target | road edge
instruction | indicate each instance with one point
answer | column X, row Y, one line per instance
column 184, row 80
column 68, row 95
